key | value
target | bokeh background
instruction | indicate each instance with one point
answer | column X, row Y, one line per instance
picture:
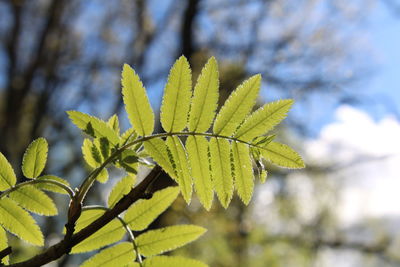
column 339, row 59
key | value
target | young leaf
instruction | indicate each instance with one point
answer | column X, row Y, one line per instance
column 157, row 149
column 137, row 104
column 264, row 119
column 221, row 169
column 109, row 234
column 238, row 105
column 142, row 213
column 282, row 155
column 197, row 148
column 244, row 179
column 7, row 174
column 35, row 158
column 127, row 136
column 165, row 239
column 172, row 261
column 118, row 255
column 34, row 200
column 3, row 244
column 120, row 189
column 93, row 126
column 205, row 98
column 18, row 221
column 103, row 176
column 113, row 122
column 52, row 187
column 263, row 176
column 91, row 154
column 176, row 100
column 182, row 167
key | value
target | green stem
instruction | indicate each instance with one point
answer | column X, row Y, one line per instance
column 126, row 227
column 66, row 188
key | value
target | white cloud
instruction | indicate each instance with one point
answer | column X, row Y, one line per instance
column 369, row 153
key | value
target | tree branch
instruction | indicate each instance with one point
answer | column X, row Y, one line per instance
column 63, row 247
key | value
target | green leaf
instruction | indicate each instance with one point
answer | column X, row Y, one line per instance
column 282, row 155
column 172, row 261
column 145, row 211
column 108, row 234
column 157, row 149
column 137, row 104
column 52, row 187
column 3, row 244
column 129, row 160
column 264, row 119
column 238, row 105
column 120, row 189
column 169, row 238
column 91, row 154
column 35, row 158
column 221, row 169
column 197, row 148
column 113, row 122
column 93, row 126
column 118, row 255
column 34, row 200
column 205, row 98
column 176, row 99
column 7, row 174
column 243, row 170
column 103, row 176
column 179, row 156
column 18, row 221
column 263, row 176
column 128, row 136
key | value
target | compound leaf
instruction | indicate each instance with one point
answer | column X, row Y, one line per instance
column 243, row 170
column 176, row 99
column 7, row 174
column 282, row 155
column 169, row 238
column 108, row 234
column 18, row 221
column 205, row 98
column 35, row 158
column 34, row 200
column 93, row 126
column 145, row 211
column 182, row 168
column 118, row 255
column 221, row 169
column 52, row 187
column 157, row 149
column 237, row 106
column 120, row 189
column 263, row 120
column 172, row 261
column 197, row 148
column 137, row 104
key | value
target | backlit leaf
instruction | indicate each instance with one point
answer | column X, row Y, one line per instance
column 145, row 211
column 157, row 149
column 118, row 255
column 237, row 106
column 120, row 189
column 221, row 169
column 197, row 148
column 169, row 238
column 35, row 158
column 137, row 104
column 34, row 200
column 243, row 170
column 179, row 155
column 172, row 261
column 7, row 174
column 113, row 122
column 3, row 244
column 103, row 176
column 91, row 155
column 263, row 120
column 176, row 100
column 282, row 155
column 52, row 187
column 205, row 98
column 18, row 221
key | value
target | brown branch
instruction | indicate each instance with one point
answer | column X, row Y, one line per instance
column 5, row 252
column 63, row 247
